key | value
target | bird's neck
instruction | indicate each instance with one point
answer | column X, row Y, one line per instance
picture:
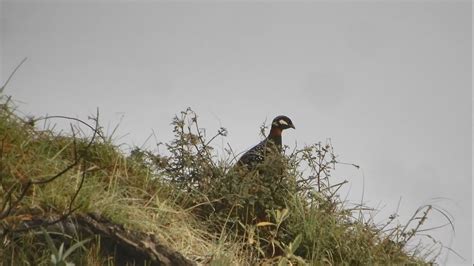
column 275, row 136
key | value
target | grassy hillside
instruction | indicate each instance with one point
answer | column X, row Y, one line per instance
column 287, row 212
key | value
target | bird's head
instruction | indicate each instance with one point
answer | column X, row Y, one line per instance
column 281, row 123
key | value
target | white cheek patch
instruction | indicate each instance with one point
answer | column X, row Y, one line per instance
column 283, row 122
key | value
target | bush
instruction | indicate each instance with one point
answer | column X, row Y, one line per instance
column 285, row 211
column 280, row 213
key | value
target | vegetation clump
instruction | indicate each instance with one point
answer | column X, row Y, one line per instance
column 287, row 211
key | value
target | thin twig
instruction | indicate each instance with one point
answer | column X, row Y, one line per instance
column 12, row 74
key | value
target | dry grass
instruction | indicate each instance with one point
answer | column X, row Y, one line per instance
column 182, row 198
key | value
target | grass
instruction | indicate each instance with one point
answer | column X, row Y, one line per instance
column 287, row 212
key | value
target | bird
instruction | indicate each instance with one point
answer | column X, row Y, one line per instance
column 271, row 143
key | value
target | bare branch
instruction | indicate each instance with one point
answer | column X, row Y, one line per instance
column 12, row 74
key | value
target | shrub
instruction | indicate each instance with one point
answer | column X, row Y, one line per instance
column 279, row 211
column 285, row 211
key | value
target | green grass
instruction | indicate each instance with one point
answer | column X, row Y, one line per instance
column 191, row 199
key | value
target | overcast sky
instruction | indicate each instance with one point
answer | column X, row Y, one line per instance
column 388, row 82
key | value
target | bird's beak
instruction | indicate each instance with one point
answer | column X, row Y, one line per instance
column 292, row 126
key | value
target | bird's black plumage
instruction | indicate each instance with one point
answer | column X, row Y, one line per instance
column 272, row 143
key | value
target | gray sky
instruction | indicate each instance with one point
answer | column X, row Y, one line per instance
column 388, row 82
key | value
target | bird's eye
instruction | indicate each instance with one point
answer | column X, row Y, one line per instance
column 283, row 122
